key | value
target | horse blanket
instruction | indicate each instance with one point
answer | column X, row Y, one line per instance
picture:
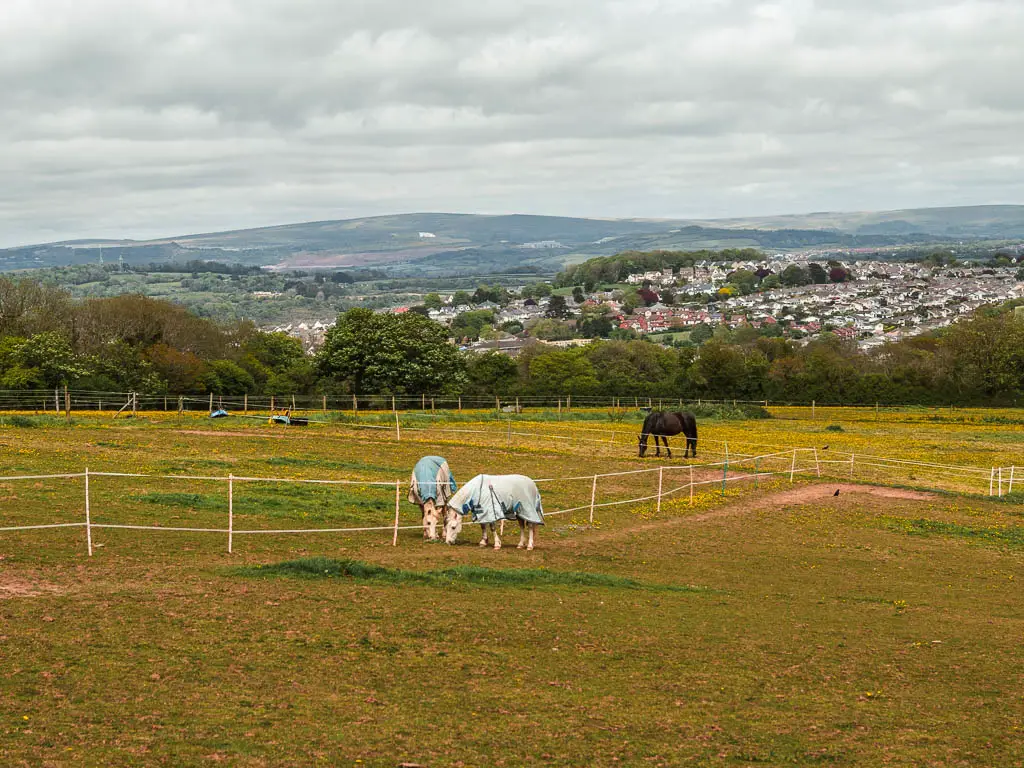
column 492, row 498
column 431, row 479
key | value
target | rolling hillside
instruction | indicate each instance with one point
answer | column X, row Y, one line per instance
column 443, row 243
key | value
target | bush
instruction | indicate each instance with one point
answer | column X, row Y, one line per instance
column 834, row 428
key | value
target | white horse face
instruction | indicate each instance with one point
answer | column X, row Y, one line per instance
column 452, row 525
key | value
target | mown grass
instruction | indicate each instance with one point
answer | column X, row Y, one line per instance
column 328, row 568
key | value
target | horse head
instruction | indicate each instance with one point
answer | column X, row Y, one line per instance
column 642, row 439
column 452, row 525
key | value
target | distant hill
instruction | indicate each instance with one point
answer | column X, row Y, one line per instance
column 445, row 243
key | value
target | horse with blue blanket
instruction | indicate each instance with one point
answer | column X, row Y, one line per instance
column 491, row 500
column 431, row 486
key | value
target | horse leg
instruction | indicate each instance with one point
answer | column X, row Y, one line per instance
column 522, row 534
column 497, row 538
column 430, row 520
column 533, row 529
column 483, row 530
column 657, row 447
column 669, row 450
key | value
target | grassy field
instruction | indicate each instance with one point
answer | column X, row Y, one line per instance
column 772, row 625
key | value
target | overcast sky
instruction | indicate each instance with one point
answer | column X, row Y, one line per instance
column 145, row 118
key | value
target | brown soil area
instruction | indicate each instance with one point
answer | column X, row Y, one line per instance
column 795, row 496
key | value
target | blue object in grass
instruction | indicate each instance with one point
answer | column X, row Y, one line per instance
column 219, row 414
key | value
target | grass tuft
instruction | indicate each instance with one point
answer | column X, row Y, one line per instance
column 1011, row 536
column 327, row 568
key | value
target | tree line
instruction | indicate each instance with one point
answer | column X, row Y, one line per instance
column 136, row 343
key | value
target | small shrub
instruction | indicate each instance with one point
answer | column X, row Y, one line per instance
column 25, row 422
column 834, row 428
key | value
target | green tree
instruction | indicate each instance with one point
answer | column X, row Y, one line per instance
column 385, row 353
column 491, row 373
column 557, row 308
column 794, row 275
column 565, row 372
column 577, row 295
column 432, row 301
column 817, row 273
column 701, row 333
column 469, row 324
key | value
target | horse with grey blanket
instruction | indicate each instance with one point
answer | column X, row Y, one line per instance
column 431, row 486
column 491, row 500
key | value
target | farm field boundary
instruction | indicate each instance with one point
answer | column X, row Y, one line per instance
column 673, row 482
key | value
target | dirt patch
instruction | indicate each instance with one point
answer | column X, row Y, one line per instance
column 802, row 495
column 12, row 586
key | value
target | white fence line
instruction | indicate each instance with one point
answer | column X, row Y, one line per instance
column 996, row 483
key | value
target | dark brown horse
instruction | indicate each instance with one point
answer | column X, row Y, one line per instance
column 665, row 425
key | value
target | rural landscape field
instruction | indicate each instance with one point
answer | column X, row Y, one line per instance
column 763, row 620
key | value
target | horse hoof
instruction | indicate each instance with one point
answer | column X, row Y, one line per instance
column 529, row 548
column 483, row 543
column 520, row 546
column 497, row 546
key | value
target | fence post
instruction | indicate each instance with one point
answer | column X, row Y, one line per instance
column 691, row 485
column 851, row 466
column 398, row 495
column 88, row 521
column 813, row 407
column 991, row 480
column 398, row 428
column 510, row 433
column 135, row 403
column 497, row 403
column 165, row 403
column 394, row 406
column 661, row 471
column 231, row 511
column 211, row 402
column 355, row 405
column 432, row 412
column 725, row 473
column 460, row 403
column 817, row 465
column 271, row 404
column 325, row 404
column 56, row 400
column 67, row 402
column 568, row 403
column 293, row 403
column 593, row 498
column 792, row 467
column 181, row 404
column 1012, row 468
column 1000, row 480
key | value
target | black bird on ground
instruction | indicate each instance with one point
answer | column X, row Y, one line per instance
column 836, row 493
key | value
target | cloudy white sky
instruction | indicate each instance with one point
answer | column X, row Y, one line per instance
column 146, row 118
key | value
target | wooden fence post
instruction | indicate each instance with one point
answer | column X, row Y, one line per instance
column 67, row 402
column 325, row 404
column 398, row 428
column 165, row 402
column 725, row 474
column 293, row 403
column 817, row 464
column 593, row 499
column 394, row 405
column 851, row 466
column 460, row 403
column 792, row 467
column 497, row 403
column 88, row 521
column 355, row 404
column 1012, row 469
column 398, row 496
column 231, row 511
column 510, row 433
column 181, row 405
column 135, row 403
column 245, row 403
column 1000, row 480
column 211, row 402
column 271, row 404
column 814, row 405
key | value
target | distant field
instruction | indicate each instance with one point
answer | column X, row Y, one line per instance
column 776, row 624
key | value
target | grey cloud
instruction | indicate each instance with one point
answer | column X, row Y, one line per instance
column 146, row 118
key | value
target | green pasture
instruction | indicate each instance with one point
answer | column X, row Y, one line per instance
column 776, row 625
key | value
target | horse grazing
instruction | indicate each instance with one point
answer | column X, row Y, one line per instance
column 430, row 486
column 493, row 499
column 665, row 425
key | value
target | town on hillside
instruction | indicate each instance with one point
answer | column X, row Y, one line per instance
column 868, row 302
